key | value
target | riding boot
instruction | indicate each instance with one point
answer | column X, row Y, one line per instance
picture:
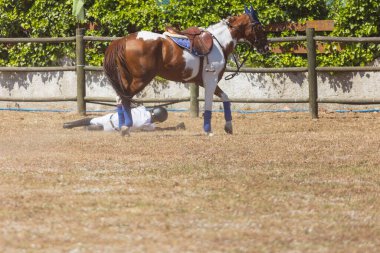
column 77, row 123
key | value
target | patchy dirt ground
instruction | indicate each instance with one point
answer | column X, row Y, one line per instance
column 281, row 183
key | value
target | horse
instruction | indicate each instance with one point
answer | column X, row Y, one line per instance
column 131, row 63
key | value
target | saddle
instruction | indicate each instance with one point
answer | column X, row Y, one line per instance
column 201, row 41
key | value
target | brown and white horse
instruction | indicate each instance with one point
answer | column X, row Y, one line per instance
column 131, row 62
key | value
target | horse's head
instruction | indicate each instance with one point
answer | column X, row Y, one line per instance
column 248, row 28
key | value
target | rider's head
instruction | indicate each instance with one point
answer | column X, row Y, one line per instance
column 159, row 114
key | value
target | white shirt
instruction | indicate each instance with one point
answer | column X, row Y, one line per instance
column 140, row 116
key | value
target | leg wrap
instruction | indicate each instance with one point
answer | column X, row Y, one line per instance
column 128, row 117
column 120, row 114
column 207, row 121
column 227, row 111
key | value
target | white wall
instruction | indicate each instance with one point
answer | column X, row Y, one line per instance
column 292, row 85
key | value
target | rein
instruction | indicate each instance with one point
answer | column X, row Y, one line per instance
column 230, row 76
column 237, row 72
column 245, row 58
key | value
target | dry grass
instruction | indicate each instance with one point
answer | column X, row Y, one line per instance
column 281, row 183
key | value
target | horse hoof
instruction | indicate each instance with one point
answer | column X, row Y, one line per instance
column 124, row 131
column 228, row 128
column 209, row 134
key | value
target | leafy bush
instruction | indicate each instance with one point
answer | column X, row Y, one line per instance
column 39, row 18
column 354, row 18
column 52, row 18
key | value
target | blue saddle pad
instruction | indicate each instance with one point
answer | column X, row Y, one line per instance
column 185, row 43
column 182, row 42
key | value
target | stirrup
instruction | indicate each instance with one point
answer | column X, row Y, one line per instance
column 211, row 69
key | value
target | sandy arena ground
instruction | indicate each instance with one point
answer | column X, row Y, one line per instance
column 282, row 183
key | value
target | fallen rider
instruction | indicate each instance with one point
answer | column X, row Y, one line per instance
column 143, row 120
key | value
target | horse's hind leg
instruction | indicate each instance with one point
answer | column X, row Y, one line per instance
column 135, row 86
column 227, row 109
column 124, row 114
column 127, row 117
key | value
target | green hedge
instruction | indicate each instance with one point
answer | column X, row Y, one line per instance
column 48, row 18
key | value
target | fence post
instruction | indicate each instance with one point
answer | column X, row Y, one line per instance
column 80, row 62
column 194, row 103
column 312, row 73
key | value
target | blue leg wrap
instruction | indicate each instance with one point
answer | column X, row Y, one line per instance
column 128, row 117
column 207, row 121
column 227, row 111
column 120, row 114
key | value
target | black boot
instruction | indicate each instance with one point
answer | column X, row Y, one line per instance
column 77, row 123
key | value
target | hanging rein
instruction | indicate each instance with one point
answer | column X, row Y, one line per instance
column 245, row 58
column 238, row 66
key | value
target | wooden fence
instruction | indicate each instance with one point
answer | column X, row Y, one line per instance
column 312, row 69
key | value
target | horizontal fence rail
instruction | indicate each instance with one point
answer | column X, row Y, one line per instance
column 37, row 99
column 347, row 39
column 37, row 40
column 349, row 101
column 36, row 69
column 194, row 99
column 268, row 70
column 348, row 69
column 97, row 38
column 264, row 100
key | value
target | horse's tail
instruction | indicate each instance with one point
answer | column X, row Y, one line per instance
column 115, row 66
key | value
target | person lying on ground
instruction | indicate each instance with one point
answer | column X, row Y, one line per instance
column 143, row 119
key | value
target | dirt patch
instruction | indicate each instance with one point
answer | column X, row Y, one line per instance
column 281, row 183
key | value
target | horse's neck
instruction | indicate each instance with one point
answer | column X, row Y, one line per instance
column 224, row 37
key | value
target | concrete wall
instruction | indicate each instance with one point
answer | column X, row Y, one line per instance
column 292, row 85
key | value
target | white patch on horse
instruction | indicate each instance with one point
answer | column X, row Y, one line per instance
column 224, row 97
column 145, row 35
column 216, row 56
column 191, row 63
column 222, row 38
column 221, row 32
column 210, row 82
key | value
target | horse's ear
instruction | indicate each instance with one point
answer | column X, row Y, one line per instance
column 246, row 11
column 254, row 14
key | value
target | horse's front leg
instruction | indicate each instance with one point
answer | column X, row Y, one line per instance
column 210, row 85
column 227, row 109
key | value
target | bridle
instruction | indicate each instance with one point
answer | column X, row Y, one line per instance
column 253, row 24
column 256, row 41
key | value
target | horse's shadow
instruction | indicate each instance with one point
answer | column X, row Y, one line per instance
column 97, row 78
column 339, row 81
column 276, row 82
column 336, row 81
